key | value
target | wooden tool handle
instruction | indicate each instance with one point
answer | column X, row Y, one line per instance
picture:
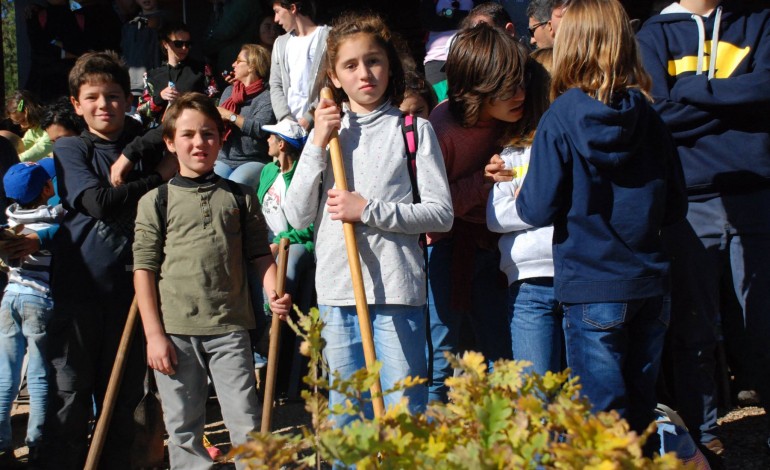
column 113, row 386
column 275, row 339
column 356, row 275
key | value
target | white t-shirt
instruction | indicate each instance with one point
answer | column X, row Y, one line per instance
column 300, row 52
column 272, row 207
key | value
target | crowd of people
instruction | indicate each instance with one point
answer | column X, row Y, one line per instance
column 599, row 203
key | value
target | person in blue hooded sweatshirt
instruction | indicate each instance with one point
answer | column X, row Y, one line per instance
column 716, row 102
column 603, row 170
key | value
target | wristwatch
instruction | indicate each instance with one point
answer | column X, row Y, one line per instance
column 233, row 117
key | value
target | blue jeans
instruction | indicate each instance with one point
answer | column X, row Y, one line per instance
column 615, row 349
column 246, row 173
column 535, row 317
column 23, row 320
column 399, row 343
column 489, row 316
column 300, row 276
column 721, row 258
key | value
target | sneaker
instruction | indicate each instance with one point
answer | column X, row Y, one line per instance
column 214, row 452
column 716, row 447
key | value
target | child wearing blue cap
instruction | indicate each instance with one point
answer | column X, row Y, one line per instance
column 285, row 144
column 27, row 305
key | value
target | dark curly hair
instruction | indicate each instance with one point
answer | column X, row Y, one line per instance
column 61, row 113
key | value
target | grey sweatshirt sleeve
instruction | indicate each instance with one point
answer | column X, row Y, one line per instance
column 434, row 212
column 258, row 114
column 277, row 94
column 304, row 194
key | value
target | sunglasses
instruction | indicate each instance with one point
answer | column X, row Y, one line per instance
column 534, row 27
column 180, row 44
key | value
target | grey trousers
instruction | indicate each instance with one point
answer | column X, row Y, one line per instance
column 183, row 395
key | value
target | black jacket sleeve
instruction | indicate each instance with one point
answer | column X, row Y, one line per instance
column 101, row 202
column 146, row 148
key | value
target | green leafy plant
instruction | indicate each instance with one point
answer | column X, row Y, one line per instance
column 504, row 418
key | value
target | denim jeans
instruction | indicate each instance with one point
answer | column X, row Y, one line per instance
column 721, row 268
column 23, row 320
column 399, row 343
column 300, row 276
column 535, row 317
column 489, row 316
column 246, row 173
column 615, row 349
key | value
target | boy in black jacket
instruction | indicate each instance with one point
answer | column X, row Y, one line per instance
column 91, row 270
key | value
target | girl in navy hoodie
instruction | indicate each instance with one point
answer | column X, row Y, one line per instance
column 604, row 172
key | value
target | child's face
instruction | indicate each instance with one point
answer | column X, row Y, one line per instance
column 272, row 146
column 415, row 105
column 507, row 110
column 103, row 107
column 56, row 131
column 362, row 70
column 20, row 119
column 196, row 143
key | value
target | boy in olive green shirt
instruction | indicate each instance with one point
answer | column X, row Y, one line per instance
column 197, row 315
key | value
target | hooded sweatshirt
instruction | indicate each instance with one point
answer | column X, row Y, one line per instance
column 525, row 251
column 715, row 100
column 608, row 179
column 34, row 270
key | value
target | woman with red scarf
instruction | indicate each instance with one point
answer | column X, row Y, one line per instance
column 245, row 107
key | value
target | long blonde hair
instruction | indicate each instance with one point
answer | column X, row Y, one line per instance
column 595, row 50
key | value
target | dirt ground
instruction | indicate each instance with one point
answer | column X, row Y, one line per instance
column 742, row 429
column 287, row 416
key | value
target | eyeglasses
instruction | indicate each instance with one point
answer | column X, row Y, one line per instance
column 534, row 27
column 180, row 44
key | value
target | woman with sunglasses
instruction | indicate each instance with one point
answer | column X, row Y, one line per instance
column 245, row 107
column 180, row 73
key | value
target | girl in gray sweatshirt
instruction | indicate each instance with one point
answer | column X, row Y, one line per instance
column 367, row 79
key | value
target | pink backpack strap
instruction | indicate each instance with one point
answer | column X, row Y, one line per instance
column 408, row 126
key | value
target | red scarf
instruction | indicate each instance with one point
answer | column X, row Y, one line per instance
column 240, row 94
